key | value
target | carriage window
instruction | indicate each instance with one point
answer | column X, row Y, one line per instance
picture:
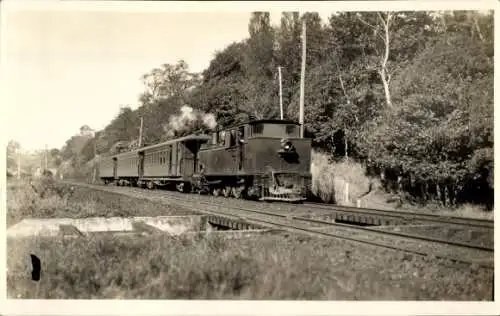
column 291, row 130
column 222, row 138
column 257, row 128
column 232, row 140
column 170, row 155
column 215, row 138
column 242, row 132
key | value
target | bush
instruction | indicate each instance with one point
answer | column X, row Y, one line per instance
column 330, row 178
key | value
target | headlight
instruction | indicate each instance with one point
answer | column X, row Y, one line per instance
column 286, row 145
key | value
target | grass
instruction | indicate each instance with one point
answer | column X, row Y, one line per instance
column 215, row 267
column 272, row 267
column 468, row 210
column 329, row 183
column 330, row 179
column 24, row 201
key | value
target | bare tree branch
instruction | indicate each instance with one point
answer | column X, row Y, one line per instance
column 366, row 23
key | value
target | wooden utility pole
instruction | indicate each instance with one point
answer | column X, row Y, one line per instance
column 302, row 79
column 281, row 93
column 140, row 134
column 94, row 171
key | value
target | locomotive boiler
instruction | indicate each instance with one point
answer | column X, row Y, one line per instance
column 260, row 159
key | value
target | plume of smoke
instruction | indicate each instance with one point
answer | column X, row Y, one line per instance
column 209, row 120
column 188, row 121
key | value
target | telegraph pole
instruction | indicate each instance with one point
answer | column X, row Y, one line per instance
column 94, row 171
column 140, row 134
column 281, row 93
column 302, row 79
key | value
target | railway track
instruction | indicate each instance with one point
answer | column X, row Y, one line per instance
column 407, row 243
column 407, row 215
column 451, row 230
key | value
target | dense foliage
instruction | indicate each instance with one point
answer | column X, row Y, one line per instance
column 409, row 94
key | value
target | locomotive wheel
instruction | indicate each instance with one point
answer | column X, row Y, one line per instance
column 216, row 191
column 184, row 187
column 150, row 185
column 227, row 191
column 238, row 192
column 180, row 187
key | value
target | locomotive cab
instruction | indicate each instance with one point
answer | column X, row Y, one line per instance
column 266, row 158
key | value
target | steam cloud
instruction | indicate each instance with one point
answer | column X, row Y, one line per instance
column 188, row 121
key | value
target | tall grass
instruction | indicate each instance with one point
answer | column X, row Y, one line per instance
column 330, row 179
column 41, row 201
column 214, row 267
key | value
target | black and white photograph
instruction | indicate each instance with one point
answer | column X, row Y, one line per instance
column 273, row 152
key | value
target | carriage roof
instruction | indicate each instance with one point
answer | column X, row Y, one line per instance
column 202, row 137
column 188, row 138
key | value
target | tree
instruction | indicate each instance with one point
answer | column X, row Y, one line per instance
column 381, row 24
column 261, row 86
column 85, row 130
column 13, row 149
column 288, row 54
column 222, row 90
column 168, row 81
column 441, row 132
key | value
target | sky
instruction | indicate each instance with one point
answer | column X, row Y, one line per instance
column 65, row 68
column 70, row 68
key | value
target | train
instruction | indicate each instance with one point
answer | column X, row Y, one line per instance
column 263, row 160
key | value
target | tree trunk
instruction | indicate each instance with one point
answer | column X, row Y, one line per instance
column 439, row 194
column 384, row 75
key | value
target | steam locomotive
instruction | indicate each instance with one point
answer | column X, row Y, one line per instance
column 261, row 159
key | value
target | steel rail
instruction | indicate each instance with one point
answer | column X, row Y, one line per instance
column 455, row 220
column 142, row 194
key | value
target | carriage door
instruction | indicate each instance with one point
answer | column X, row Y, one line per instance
column 140, row 165
column 115, row 167
column 180, row 147
column 241, row 149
